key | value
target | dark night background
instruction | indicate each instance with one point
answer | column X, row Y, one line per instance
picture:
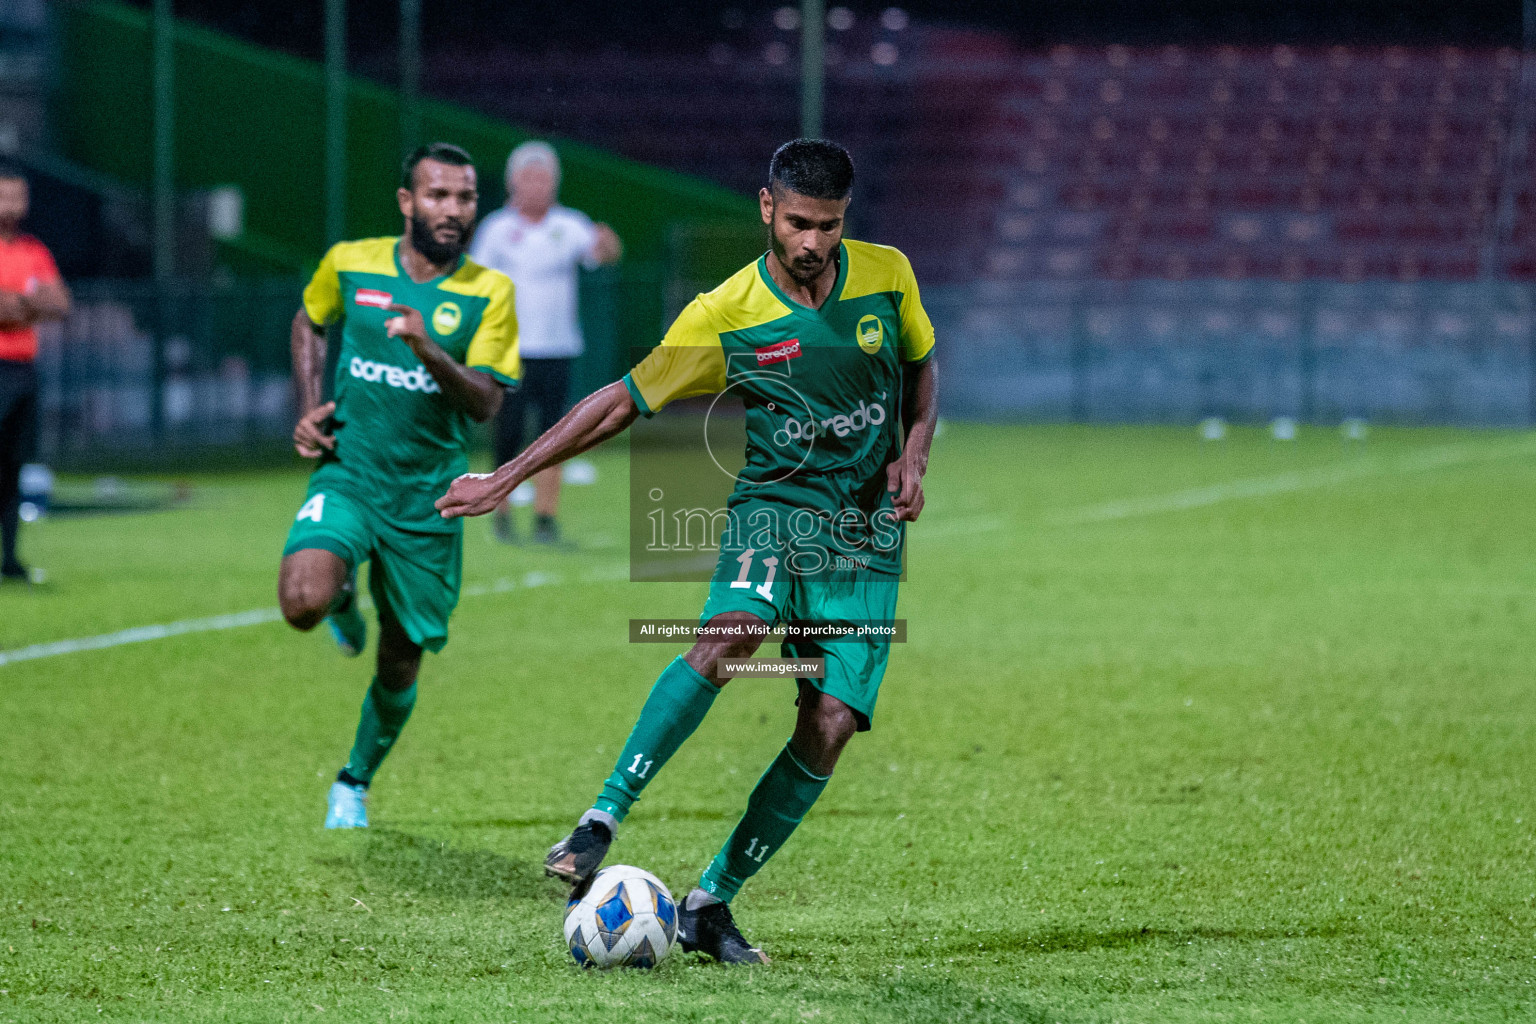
column 295, row 25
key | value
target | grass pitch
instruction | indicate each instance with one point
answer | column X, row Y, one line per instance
column 1235, row 731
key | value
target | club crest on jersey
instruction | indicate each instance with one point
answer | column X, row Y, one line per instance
column 373, row 297
column 870, row 334
column 446, row 317
column 778, row 352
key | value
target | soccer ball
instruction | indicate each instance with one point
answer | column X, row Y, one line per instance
column 626, row 919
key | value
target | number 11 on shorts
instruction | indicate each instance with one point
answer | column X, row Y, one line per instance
column 741, row 582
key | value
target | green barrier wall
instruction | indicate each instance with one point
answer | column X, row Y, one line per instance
column 250, row 117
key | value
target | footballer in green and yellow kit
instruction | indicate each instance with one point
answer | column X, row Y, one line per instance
column 427, row 342
column 828, row 346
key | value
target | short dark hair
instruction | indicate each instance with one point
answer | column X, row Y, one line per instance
column 442, row 152
column 10, row 170
column 814, row 168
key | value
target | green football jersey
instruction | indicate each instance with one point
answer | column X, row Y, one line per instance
column 821, row 387
column 399, row 443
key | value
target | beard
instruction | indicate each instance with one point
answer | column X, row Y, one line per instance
column 438, row 253
column 803, row 269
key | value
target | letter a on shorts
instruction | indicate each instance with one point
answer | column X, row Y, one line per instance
column 314, row 508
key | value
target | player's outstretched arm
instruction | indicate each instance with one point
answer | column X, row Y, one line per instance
column 919, row 415
column 605, row 413
column 475, row 393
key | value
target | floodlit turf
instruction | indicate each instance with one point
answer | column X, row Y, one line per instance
column 1236, row 731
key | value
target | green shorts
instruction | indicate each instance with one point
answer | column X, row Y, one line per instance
column 416, row 575
column 854, row 666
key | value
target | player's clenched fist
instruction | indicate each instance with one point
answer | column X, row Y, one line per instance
column 473, row 494
column 310, row 436
column 905, row 483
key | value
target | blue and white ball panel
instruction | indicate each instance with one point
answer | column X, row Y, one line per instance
column 626, row 919
column 614, row 915
column 666, row 910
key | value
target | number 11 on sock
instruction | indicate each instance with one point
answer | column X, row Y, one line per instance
column 637, row 771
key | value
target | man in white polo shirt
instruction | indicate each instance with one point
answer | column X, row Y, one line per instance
column 539, row 244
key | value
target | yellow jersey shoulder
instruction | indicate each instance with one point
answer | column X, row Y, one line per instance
column 474, row 279
column 875, row 268
column 742, row 301
column 365, row 256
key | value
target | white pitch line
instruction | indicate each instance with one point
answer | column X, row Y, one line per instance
column 1196, row 497
column 262, row 616
column 959, row 526
column 1282, row 483
column 142, row 634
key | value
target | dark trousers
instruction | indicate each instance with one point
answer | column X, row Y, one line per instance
column 545, row 388
column 18, row 434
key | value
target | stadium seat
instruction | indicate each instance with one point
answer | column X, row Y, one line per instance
column 1356, row 161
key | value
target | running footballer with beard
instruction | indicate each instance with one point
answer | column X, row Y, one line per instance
column 827, row 342
column 428, row 342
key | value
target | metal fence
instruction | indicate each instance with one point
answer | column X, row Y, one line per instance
column 184, row 373
column 141, row 370
column 148, row 373
column 1159, row 351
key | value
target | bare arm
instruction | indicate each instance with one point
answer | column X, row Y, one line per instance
column 48, row 302
column 605, row 413
column 471, row 391
column 13, row 310
column 23, row 309
column 606, row 247
column 306, row 345
column 919, row 414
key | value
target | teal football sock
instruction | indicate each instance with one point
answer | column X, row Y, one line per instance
column 384, row 715
column 677, row 704
column 782, row 796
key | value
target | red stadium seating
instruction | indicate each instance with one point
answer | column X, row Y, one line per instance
column 1342, row 162
column 983, row 159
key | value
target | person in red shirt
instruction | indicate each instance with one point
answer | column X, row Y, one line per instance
column 30, row 292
